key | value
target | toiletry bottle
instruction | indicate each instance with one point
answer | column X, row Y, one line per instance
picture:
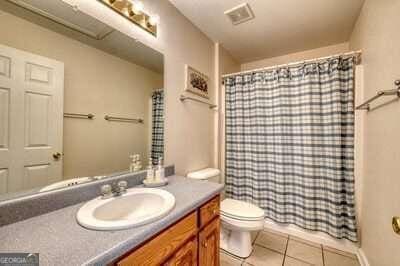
column 138, row 164
column 160, row 170
column 150, row 171
column 133, row 163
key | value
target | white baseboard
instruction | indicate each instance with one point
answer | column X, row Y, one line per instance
column 318, row 237
column 362, row 258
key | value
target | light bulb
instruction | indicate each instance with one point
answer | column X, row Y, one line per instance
column 138, row 6
column 154, row 20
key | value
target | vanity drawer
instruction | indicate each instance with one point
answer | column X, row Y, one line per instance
column 162, row 246
column 209, row 210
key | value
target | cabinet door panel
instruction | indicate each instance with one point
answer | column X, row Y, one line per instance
column 185, row 256
column 209, row 244
column 209, row 211
column 164, row 245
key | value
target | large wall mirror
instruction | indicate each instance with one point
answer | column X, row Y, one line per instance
column 77, row 98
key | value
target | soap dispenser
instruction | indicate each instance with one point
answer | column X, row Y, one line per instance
column 160, row 172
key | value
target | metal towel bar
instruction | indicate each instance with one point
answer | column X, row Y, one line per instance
column 366, row 106
column 81, row 116
column 184, row 98
column 123, row 119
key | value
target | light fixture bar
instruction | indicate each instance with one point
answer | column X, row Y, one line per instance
column 133, row 11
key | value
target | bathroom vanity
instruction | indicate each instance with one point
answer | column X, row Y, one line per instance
column 193, row 240
column 189, row 233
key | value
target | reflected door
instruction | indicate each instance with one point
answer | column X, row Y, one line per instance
column 31, row 120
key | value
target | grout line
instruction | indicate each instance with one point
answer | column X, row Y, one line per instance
column 299, row 240
column 306, row 262
column 284, row 255
column 323, row 257
column 231, row 255
column 254, row 241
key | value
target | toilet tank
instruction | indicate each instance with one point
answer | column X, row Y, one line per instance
column 207, row 174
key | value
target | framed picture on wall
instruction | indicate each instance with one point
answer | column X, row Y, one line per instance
column 197, row 82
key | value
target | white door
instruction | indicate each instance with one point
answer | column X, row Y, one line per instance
column 31, row 120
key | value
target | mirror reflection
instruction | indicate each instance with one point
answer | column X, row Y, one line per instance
column 73, row 113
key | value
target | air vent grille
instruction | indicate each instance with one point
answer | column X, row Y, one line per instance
column 240, row 14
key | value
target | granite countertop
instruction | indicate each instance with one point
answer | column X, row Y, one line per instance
column 60, row 240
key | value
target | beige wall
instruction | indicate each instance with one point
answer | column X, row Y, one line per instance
column 377, row 34
column 225, row 64
column 304, row 55
column 98, row 83
column 189, row 129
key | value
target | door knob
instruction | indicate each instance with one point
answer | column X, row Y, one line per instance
column 57, row 156
column 396, row 224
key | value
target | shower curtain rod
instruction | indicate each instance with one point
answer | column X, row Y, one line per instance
column 356, row 53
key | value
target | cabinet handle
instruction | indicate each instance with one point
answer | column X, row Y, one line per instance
column 205, row 244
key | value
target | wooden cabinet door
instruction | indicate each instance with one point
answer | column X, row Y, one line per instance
column 185, row 256
column 164, row 245
column 209, row 244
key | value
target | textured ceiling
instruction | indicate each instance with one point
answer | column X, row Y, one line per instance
column 280, row 26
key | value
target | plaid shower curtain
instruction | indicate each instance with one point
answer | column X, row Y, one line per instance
column 289, row 144
column 157, row 139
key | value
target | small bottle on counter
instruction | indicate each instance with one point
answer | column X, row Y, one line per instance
column 150, row 171
column 138, row 164
column 160, row 172
column 133, row 163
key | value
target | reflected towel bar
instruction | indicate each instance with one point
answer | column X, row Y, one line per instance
column 81, row 116
column 123, row 119
column 184, row 98
column 366, row 106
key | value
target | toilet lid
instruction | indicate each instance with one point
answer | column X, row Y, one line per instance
column 241, row 210
column 204, row 174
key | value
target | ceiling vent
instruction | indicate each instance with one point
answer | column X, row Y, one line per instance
column 240, row 14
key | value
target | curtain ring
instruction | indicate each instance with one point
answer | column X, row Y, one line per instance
column 340, row 63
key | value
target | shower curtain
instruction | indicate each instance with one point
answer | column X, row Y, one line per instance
column 289, row 144
column 157, row 139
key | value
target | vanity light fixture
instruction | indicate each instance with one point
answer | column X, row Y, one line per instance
column 154, row 20
column 133, row 10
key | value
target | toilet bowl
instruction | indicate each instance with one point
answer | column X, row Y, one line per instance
column 238, row 219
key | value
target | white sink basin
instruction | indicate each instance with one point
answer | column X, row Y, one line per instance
column 138, row 206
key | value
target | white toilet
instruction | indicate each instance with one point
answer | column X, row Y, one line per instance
column 238, row 218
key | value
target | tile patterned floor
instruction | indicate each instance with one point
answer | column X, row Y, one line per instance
column 276, row 249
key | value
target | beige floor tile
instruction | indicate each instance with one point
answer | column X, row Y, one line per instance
column 276, row 232
column 295, row 262
column 334, row 259
column 262, row 256
column 227, row 260
column 304, row 252
column 314, row 244
column 343, row 253
column 272, row 241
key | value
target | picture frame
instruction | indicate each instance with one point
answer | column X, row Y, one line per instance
column 197, row 82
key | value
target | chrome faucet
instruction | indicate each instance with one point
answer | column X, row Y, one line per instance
column 114, row 190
